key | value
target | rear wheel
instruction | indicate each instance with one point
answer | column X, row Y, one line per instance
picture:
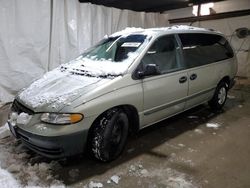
column 220, row 97
column 109, row 135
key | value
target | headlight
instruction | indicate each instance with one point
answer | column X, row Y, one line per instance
column 61, row 119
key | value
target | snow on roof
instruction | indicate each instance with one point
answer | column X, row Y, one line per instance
column 128, row 30
column 179, row 27
column 152, row 31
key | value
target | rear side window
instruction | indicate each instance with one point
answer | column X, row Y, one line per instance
column 201, row 49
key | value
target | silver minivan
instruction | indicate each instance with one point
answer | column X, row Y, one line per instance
column 129, row 80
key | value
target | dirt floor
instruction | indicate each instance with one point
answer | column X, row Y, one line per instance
column 197, row 148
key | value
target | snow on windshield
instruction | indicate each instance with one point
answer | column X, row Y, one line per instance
column 101, row 68
column 111, row 57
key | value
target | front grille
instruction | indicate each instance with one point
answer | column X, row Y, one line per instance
column 46, row 149
column 19, row 108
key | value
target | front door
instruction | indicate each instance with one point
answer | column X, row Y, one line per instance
column 164, row 94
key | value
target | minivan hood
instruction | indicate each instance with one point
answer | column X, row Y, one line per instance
column 57, row 89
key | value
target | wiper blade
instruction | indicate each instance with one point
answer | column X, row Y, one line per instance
column 87, row 73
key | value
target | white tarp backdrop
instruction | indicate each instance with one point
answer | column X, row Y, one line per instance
column 24, row 42
column 38, row 35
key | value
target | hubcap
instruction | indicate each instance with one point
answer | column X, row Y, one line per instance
column 222, row 95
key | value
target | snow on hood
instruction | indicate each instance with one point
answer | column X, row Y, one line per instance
column 57, row 89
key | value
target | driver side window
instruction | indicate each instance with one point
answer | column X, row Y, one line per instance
column 164, row 52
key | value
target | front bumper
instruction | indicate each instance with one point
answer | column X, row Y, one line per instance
column 53, row 147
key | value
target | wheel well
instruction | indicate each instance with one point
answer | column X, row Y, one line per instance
column 226, row 79
column 132, row 114
column 133, row 118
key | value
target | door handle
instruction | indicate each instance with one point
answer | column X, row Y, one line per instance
column 193, row 76
column 183, row 79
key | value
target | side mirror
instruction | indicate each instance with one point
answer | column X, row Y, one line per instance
column 149, row 70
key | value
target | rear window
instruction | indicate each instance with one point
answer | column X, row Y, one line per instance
column 201, row 49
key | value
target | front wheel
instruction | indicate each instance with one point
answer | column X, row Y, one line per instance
column 109, row 135
column 220, row 97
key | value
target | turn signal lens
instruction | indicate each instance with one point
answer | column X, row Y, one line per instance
column 74, row 118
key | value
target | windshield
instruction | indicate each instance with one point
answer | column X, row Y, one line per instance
column 109, row 58
column 115, row 49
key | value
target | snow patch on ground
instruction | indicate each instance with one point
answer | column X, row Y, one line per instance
column 130, row 150
column 16, row 169
column 181, row 145
column 137, row 170
column 74, row 173
column 172, row 178
column 177, row 182
column 94, row 185
column 166, row 177
column 4, row 131
column 7, row 180
column 191, row 150
column 230, row 97
column 176, row 159
column 193, row 117
column 115, row 179
column 198, row 131
column 213, row 125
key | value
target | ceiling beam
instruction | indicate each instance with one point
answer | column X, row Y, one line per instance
column 211, row 17
column 147, row 5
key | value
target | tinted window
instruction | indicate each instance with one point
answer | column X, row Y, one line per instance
column 164, row 53
column 200, row 49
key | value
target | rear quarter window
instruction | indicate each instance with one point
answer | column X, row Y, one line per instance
column 201, row 49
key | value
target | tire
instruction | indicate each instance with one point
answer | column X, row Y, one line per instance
column 220, row 97
column 109, row 135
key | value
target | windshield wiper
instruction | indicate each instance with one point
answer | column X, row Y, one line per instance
column 86, row 73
